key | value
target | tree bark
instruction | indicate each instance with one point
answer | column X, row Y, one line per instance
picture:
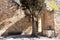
column 34, row 25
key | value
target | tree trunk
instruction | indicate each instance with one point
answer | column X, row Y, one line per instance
column 34, row 25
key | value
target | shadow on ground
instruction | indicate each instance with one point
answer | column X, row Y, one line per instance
column 20, row 36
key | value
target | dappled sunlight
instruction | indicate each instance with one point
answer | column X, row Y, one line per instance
column 9, row 22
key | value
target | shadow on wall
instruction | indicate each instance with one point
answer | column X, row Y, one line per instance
column 19, row 27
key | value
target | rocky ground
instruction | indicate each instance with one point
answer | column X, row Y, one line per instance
column 28, row 38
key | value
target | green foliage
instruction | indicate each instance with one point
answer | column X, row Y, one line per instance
column 33, row 4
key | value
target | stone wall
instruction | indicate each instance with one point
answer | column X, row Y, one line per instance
column 57, row 19
column 48, row 20
column 13, row 19
column 57, row 23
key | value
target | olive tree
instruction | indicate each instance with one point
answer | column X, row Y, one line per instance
column 34, row 7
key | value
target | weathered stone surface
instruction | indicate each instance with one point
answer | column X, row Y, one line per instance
column 12, row 19
column 57, row 19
